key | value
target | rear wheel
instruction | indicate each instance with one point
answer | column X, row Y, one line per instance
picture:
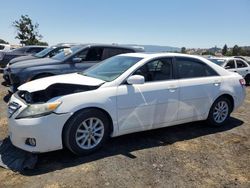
column 86, row 131
column 220, row 111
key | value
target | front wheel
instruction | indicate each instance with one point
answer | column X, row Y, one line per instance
column 86, row 131
column 220, row 111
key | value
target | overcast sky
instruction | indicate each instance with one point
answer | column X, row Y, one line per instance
column 189, row 23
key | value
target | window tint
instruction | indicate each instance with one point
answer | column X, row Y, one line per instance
column 156, row 70
column 192, row 68
column 56, row 51
column 34, row 50
column 82, row 54
column 109, row 52
column 240, row 64
column 94, row 54
column 230, row 65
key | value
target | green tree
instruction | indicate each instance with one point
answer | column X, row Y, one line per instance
column 236, row 50
column 224, row 50
column 27, row 31
column 3, row 41
column 183, row 50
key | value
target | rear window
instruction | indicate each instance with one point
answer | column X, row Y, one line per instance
column 217, row 61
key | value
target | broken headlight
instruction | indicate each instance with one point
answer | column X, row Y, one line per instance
column 36, row 110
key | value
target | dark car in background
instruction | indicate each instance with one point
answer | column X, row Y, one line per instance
column 5, row 57
column 47, row 52
column 73, row 59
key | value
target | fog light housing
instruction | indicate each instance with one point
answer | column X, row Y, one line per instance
column 31, row 142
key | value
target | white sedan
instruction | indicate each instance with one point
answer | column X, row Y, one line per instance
column 124, row 94
column 234, row 65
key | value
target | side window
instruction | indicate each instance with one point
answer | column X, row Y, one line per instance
column 230, row 65
column 94, row 54
column 56, row 51
column 82, row 55
column 109, row 52
column 240, row 64
column 156, row 70
column 192, row 68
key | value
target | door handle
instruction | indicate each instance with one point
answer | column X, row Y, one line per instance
column 217, row 83
column 172, row 88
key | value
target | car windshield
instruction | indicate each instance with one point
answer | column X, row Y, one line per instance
column 111, row 68
column 217, row 61
column 66, row 52
column 44, row 52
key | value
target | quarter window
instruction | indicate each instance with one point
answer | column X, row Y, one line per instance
column 230, row 65
column 109, row 52
column 192, row 68
column 240, row 64
column 156, row 70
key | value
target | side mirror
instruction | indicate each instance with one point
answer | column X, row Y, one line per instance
column 136, row 79
column 76, row 60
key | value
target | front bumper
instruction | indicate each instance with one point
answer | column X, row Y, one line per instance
column 46, row 130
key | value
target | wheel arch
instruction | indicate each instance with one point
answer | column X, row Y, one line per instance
column 229, row 97
column 90, row 108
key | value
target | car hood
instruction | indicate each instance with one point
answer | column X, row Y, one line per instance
column 33, row 63
column 73, row 78
column 22, row 58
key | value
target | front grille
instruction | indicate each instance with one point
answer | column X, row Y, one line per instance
column 12, row 108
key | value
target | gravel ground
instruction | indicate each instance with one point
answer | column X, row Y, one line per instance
column 188, row 155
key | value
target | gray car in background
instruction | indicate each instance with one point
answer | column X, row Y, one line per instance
column 47, row 52
column 5, row 57
column 74, row 59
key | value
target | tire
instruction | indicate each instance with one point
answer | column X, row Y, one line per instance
column 86, row 131
column 220, row 112
column 247, row 79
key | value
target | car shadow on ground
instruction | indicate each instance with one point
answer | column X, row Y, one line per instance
column 126, row 144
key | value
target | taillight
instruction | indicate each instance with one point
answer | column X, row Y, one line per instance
column 242, row 82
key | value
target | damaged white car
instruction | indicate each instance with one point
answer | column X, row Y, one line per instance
column 124, row 94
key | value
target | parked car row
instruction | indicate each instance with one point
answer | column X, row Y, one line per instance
column 123, row 94
column 5, row 57
column 234, row 65
column 76, row 58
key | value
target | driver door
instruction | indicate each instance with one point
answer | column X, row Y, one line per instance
column 87, row 58
column 152, row 104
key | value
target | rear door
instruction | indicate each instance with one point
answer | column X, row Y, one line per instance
column 230, row 66
column 242, row 67
column 198, row 86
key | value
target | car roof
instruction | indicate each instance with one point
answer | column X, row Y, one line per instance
column 135, row 48
column 225, row 58
column 160, row 54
